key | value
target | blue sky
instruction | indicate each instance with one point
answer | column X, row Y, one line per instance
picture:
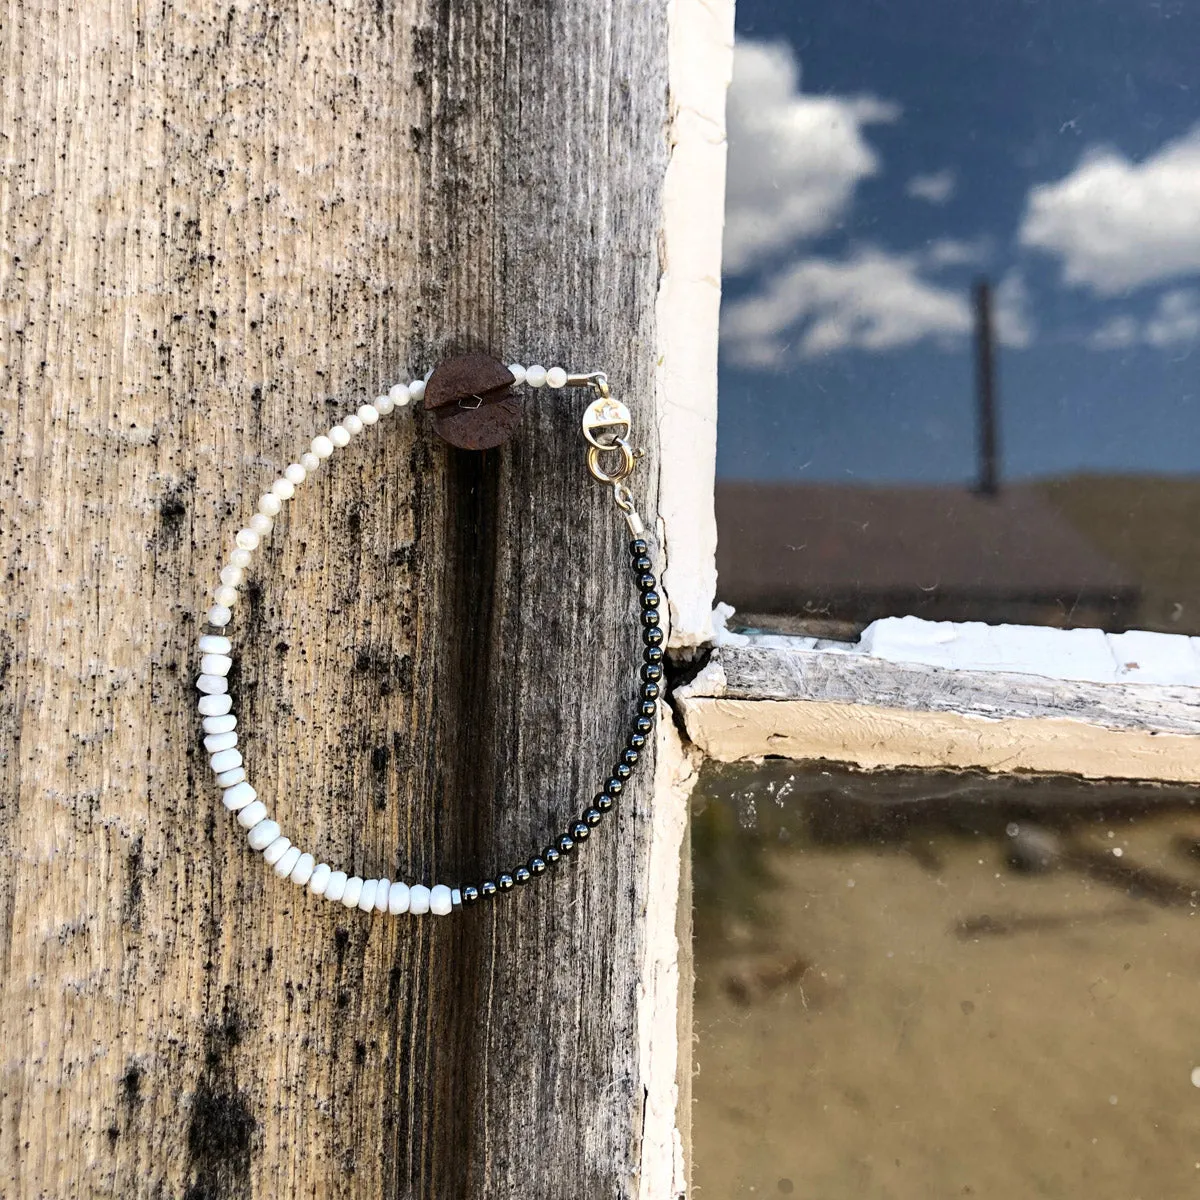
column 883, row 155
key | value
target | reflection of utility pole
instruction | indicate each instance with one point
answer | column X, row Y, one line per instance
column 988, row 483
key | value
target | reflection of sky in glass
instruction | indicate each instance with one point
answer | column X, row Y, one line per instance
column 884, row 155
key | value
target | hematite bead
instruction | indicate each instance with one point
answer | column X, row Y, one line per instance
column 580, row 831
column 537, row 865
column 650, row 691
column 650, row 599
column 488, row 887
column 614, row 787
column 649, row 617
column 552, row 856
column 629, row 756
column 566, row 844
column 638, row 546
column 504, row 882
column 652, row 672
column 522, row 875
column 642, row 563
column 646, row 582
column 652, row 654
column 622, row 770
column 642, row 725
column 593, row 816
column 648, row 708
column 637, row 741
column 470, row 894
column 604, row 802
column 652, row 637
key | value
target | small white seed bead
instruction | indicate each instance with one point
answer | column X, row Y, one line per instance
column 303, row 870
column 276, row 850
column 353, row 891
column 416, row 389
column 319, row 879
column 214, row 644
column 219, row 615
column 229, row 778
column 384, row 405
column 535, row 376
column 518, row 372
column 270, row 504
column 335, row 889
column 295, row 474
column 285, row 489
column 366, row 897
column 440, row 902
column 263, row 834
column 322, row 447
column 556, row 377
column 225, row 595
column 286, row 864
column 338, row 436
column 219, row 724
column 399, row 394
column 212, row 685
column 237, row 797
column 240, row 557
column 381, row 895
column 215, row 664
column 368, row 414
column 232, row 575
column 398, row 898
column 261, row 524
column 225, row 760
column 247, row 539
column 250, row 815
column 309, row 461
column 215, row 706
column 352, row 425
column 220, row 741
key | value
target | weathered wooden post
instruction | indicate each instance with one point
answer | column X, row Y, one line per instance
column 220, row 226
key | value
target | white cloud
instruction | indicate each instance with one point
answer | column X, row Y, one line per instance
column 873, row 301
column 1014, row 327
column 1118, row 224
column 1174, row 323
column 935, row 188
column 953, row 252
column 794, row 159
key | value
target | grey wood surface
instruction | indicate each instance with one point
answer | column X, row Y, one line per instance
column 222, row 226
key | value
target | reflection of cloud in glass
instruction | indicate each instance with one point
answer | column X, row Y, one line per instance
column 935, row 189
column 1175, row 323
column 794, row 159
column 1118, row 224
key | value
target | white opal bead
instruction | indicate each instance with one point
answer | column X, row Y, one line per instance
column 368, row 414
column 318, row 881
column 215, row 706
column 211, row 643
column 418, row 899
column 384, row 405
column 237, row 797
column 353, row 891
column 285, row 866
column 338, row 436
column 261, row 524
column 212, row 685
column 263, row 834
column 226, row 760
column 220, row 741
column 219, row 724
column 440, row 902
column 352, row 425
column 535, row 376
column 322, row 447
column 398, row 898
column 303, row 870
column 335, row 889
column 225, row 595
column 295, row 474
column 228, row 778
column 381, row 895
column 270, row 504
column 556, row 377
column 247, row 539
column 240, row 557
column 219, row 615
column 231, row 576
column 251, row 814
column 285, row 489
column 400, row 395
column 215, row 664
column 366, row 898
column 518, row 372
column 416, row 389
column 276, row 850
column 309, row 461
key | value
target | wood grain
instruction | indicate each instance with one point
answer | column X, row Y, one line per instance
column 221, row 226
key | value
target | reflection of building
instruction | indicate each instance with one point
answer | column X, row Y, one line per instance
column 857, row 553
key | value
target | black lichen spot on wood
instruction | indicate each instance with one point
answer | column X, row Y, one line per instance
column 379, row 759
column 113, row 1133
column 131, row 1086
column 172, row 510
column 131, row 904
column 360, row 1052
column 269, row 956
column 218, row 1143
column 390, row 670
column 395, row 978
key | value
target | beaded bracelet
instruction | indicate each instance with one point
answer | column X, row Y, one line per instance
column 606, row 428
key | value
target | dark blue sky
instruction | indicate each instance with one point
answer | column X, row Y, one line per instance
column 997, row 98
